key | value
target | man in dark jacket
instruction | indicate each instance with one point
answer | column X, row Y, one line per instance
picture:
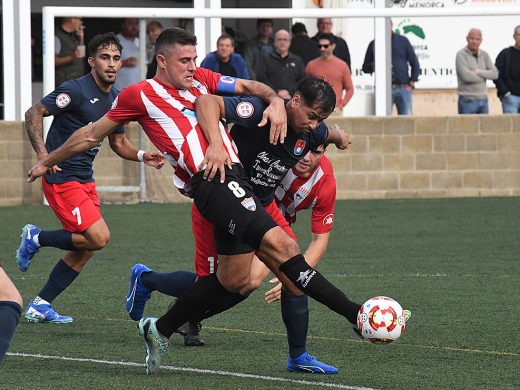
column 281, row 69
column 302, row 45
column 508, row 82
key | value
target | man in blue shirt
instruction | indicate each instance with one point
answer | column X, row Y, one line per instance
column 403, row 82
column 70, row 188
column 225, row 61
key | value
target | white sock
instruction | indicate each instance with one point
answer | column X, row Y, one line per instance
column 40, row 301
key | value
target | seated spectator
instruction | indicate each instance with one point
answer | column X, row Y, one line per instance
column 10, row 311
column 474, row 67
column 224, row 60
column 302, row 45
column 333, row 70
column 341, row 48
column 281, row 69
column 261, row 44
column 153, row 29
column 508, row 81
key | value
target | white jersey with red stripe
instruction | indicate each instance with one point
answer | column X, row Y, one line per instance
column 317, row 192
column 167, row 115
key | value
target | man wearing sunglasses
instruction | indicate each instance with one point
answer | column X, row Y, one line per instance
column 333, row 70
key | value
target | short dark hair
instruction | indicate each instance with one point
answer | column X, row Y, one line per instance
column 317, row 93
column 298, row 28
column 154, row 23
column 331, row 38
column 172, row 36
column 102, row 41
column 261, row 21
column 226, row 36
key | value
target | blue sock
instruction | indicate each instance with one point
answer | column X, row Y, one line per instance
column 295, row 315
column 173, row 284
column 60, row 278
column 61, row 239
column 9, row 315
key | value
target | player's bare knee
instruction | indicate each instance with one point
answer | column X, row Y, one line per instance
column 100, row 241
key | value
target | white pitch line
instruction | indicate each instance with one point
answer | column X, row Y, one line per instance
column 195, row 370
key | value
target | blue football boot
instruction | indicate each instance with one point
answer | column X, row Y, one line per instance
column 308, row 363
column 43, row 312
column 27, row 248
column 137, row 294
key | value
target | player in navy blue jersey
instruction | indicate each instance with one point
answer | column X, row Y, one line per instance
column 70, row 187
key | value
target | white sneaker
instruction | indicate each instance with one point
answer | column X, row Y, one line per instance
column 156, row 343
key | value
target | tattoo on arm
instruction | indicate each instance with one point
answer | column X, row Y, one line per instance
column 34, row 127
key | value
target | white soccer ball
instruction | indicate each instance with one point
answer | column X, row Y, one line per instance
column 381, row 320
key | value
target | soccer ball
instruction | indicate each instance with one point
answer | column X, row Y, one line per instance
column 381, row 320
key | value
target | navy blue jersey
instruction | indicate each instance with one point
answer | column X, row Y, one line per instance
column 266, row 164
column 74, row 104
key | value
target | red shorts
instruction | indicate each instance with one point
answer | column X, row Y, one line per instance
column 206, row 255
column 75, row 204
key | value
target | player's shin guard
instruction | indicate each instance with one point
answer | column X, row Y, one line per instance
column 312, row 283
column 207, row 297
column 9, row 315
column 295, row 315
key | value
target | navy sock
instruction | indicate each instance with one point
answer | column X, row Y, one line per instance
column 170, row 283
column 295, row 315
column 312, row 283
column 9, row 315
column 61, row 239
column 60, row 278
column 199, row 302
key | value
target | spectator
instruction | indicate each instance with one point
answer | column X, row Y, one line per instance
column 129, row 38
column 402, row 82
column 302, row 45
column 261, row 44
column 225, row 61
column 474, row 67
column 153, row 29
column 281, row 69
column 341, row 51
column 333, row 70
column 69, row 50
column 508, row 82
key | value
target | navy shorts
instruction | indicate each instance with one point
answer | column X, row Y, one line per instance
column 240, row 219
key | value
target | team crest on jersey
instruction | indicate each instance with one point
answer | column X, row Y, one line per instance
column 299, row 147
column 114, row 103
column 245, row 109
column 328, row 220
column 301, row 193
column 249, row 203
column 63, row 100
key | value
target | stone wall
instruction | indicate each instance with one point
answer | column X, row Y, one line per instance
column 392, row 157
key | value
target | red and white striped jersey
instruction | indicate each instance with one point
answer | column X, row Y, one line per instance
column 317, row 192
column 167, row 115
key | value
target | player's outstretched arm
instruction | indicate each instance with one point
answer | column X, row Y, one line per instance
column 122, row 146
column 210, row 109
column 338, row 137
column 80, row 141
column 274, row 113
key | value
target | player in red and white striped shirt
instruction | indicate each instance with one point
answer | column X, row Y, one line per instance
column 228, row 203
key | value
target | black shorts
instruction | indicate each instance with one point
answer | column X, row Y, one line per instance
column 240, row 219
